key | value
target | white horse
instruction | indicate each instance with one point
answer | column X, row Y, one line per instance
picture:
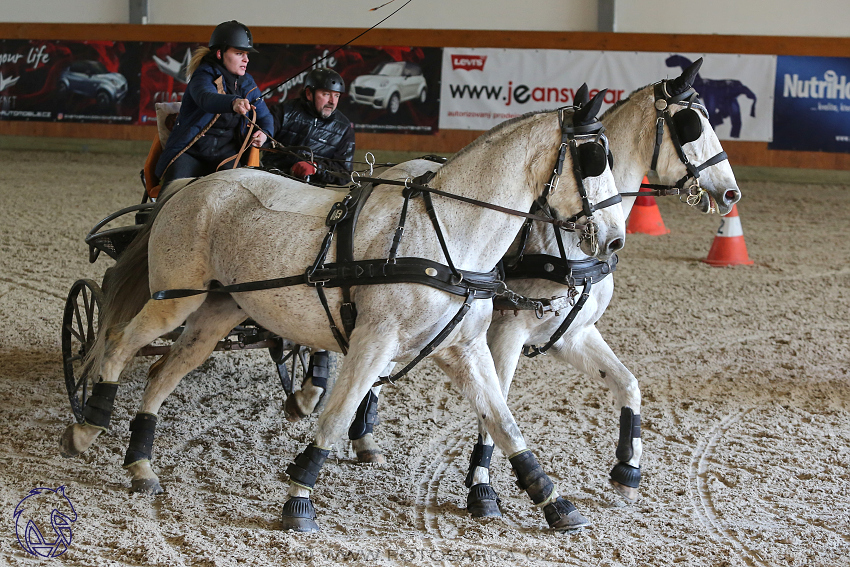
column 631, row 128
column 216, row 232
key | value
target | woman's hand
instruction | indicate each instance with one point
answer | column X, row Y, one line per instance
column 258, row 139
column 242, row 106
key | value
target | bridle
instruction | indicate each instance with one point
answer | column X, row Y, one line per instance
column 589, row 160
column 683, row 122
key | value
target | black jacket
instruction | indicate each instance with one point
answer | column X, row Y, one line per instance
column 296, row 123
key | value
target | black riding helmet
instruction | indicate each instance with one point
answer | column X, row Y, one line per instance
column 232, row 34
column 324, row 79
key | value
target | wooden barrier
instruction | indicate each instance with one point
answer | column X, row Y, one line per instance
column 740, row 153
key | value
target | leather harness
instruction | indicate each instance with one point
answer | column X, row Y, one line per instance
column 346, row 272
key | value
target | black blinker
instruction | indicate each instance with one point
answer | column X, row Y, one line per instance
column 688, row 125
column 592, row 158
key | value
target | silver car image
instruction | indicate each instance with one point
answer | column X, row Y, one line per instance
column 92, row 80
column 389, row 85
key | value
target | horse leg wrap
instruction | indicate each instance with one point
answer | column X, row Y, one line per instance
column 317, row 370
column 366, row 417
column 629, row 429
column 304, row 470
column 98, row 408
column 142, row 430
column 531, row 478
column 481, row 455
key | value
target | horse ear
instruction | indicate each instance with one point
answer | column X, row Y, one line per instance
column 582, row 95
column 684, row 81
column 587, row 113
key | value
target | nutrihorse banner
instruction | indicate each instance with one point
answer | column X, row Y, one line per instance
column 812, row 104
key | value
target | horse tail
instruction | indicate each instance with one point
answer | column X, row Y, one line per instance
column 125, row 287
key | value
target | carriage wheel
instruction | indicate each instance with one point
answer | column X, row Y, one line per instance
column 79, row 330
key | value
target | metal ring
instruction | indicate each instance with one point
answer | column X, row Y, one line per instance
column 353, row 180
column 457, row 282
column 370, row 162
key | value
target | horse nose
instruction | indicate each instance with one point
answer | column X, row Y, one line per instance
column 732, row 196
column 615, row 244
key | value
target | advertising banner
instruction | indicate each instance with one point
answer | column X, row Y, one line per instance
column 389, row 89
column 87, row 81
column 164, row 75
column 482, row 87
column 812, row 107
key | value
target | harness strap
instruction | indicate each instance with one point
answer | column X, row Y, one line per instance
column 694, row 170
column 532, row 350
column 435, row 342
column 552, row 268
column 484, row 285
column 566, row 225
column 432, row 214
column 340, row 340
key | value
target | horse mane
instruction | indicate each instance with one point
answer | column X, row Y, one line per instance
column 494, row 130
column 621, row 102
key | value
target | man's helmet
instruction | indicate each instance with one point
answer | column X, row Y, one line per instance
column 232, row 34
column 324, row 79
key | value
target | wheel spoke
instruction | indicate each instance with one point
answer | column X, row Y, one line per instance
column 74, row 332
column 81, row 382
column 79, row 320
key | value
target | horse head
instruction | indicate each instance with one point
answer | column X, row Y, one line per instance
column 595, row 194
column 690, row 155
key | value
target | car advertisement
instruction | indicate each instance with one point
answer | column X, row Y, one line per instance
column 482, row 87
column 87, row 81
column 812, row 108
column 388, row 89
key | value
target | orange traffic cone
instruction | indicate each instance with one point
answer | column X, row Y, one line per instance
column 729, row 248
column 645, row 218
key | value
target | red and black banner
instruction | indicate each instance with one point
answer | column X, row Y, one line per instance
column 388, row 89
column 76, row 81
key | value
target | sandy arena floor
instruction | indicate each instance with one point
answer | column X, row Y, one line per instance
column 746, row 411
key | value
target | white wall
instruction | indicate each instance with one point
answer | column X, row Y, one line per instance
column 546, row 15
column 737, row 17
column 828, row 18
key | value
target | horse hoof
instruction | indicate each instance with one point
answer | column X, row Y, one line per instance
column 66, row 443
column 625, row 479
column 149, row 486
column 627, row 492
column 483, row 502
column 299, row 515
column 562, row 516
column 373, row 456
column 291, row 410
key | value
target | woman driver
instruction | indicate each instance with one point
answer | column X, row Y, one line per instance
column 212, row 122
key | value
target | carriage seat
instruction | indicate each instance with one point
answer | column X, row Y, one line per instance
column 166, row 117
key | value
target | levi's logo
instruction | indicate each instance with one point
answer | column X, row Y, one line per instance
column 469, row 62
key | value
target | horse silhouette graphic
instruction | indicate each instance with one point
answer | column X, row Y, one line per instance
column 720, row 96
column 32, row 509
